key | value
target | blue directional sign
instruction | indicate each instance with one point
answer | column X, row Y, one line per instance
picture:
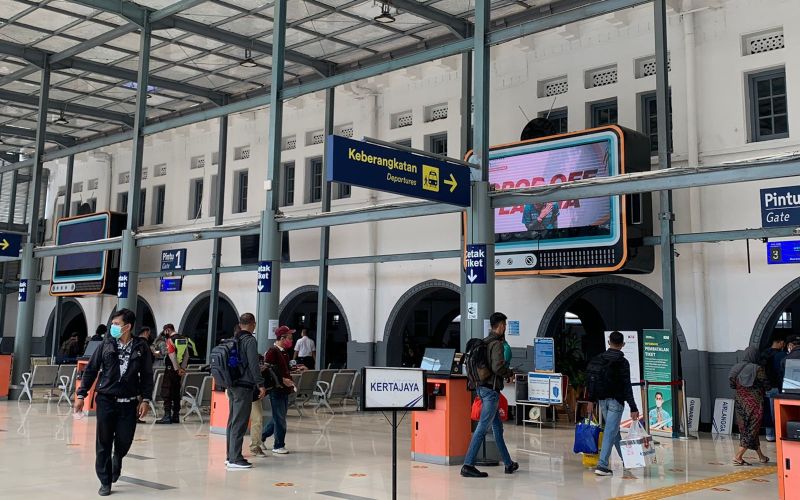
column 171, row 284
column 783, row 252
column 173, row 259
column 122, row 285
column 23, row 291
column 387, row 169
column 475, row 268
column 780, row 206
column 265, row 276
column 10, row 244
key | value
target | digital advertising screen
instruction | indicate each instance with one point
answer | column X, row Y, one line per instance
column 572, row 236
column 84, row 264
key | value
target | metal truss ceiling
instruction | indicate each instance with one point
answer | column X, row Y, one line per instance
column 197, row 50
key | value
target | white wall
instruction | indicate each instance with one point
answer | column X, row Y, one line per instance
column 734, row 297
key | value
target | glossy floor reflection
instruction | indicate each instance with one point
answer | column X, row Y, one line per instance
column 45, row 453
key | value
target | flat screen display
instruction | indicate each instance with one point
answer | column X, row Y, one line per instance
column 84, row 265
column 564, row 224
column 791, row 379
column 438, row 360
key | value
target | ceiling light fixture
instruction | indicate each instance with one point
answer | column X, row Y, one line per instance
column 61, row 120
column 248, row 61
column 385, row 16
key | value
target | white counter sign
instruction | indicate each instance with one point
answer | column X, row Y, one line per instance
column 387, row 389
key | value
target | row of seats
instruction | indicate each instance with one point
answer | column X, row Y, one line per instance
column 195, row 391
column 51, row 377
column 322, row 387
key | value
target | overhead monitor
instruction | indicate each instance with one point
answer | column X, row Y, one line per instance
column 86, row 272
column 573, row 236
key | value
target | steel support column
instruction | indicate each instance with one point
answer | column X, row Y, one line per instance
column 60, row 300
column 30, row 265
column 270, row 242
column 129, row 259
column 666, row 214
column 480, row 218
column 466, row 145
column 324, row 239
column 216, row 255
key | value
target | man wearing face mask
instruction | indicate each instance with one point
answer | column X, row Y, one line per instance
column 125, row 366
column 279, row 397
column 659, row 417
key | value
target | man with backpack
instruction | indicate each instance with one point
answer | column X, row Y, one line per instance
column 278, row 357
column 486, row 370
column 174, row 369
column 608, row 379
column 243, row 381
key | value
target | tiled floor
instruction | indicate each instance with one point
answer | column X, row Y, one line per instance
column 45, row 453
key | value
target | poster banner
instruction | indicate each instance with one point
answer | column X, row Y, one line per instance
column 545, row 388
column 631, row 352
column 658, row 368
column 544, row 354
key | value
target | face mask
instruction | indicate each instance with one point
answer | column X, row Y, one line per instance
column 116, row 331
column 659, row 403
column 287, row 343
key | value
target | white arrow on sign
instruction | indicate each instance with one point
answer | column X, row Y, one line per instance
column 260, row 287
column 472, row 276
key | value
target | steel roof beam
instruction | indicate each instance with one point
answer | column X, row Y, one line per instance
column 26, row 133
column 459, row 27
column 78, row 109
column 38, row 57
column 129, row 10
column 321, row 66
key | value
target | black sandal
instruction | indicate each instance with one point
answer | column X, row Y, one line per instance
column 741, row 463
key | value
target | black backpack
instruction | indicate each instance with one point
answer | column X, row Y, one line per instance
column 597, row 380
column 476, row 358
column 226, row 364
column 272, row 380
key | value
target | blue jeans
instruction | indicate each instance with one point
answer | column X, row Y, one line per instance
column 277, row 425
column 490, row 401
column 771, row 400
column 611, row 410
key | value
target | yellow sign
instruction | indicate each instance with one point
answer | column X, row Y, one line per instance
column 430, row 178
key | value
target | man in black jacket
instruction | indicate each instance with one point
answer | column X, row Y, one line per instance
column 491, row 383
column 616, row 391
column 125, row 365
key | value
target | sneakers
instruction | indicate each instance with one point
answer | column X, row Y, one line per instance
column 166, row 419
column 105, row 490
column 238, row 464
column 116, row 468
column 510, row 469
column 280, row 451
column 258, row 452
column 471, row 471
column 603, row 471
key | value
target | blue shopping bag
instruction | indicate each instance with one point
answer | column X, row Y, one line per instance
column 587, row 435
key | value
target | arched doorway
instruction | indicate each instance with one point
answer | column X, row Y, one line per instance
column 427, row 315
column 73, row 320
column 194, row 323
column 580, row 315
column 778, row 316
column 144, row 315
column 299, row 309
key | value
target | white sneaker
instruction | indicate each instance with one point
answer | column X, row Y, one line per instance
column 280, row 451
column 239, row 464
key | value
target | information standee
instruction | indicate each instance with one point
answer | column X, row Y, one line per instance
column 393, row 390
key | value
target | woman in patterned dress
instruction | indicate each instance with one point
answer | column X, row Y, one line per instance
column 750, row 381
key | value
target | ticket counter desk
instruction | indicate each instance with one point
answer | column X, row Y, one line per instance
column 5, row 375
column 441, row 435
column 88, row 403
column 787, row 440
column 219, row 411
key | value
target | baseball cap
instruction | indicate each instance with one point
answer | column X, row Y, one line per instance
column 793, row 339
column 283, row 330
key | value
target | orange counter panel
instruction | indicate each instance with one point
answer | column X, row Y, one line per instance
column 219, row 411
column 88, row 403
column 441, row 435
column 787, row 410
column 5, row 375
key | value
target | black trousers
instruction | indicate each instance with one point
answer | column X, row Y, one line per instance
column 308, row 361
column 171, row 392
column 116, row 425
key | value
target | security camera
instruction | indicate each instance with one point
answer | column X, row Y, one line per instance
column 796, row 231
column 197, row 236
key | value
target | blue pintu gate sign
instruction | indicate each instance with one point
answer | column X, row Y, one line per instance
column 386, row 169
column 780, row 206
column 783, row 252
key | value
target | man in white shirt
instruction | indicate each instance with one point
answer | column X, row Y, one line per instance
column 305, row 351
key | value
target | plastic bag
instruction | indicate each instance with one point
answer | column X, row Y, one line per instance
column 637, row 448
column 587, row 437
column 502, row 408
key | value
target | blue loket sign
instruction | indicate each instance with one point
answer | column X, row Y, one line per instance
column 475, row 264
column 173, row 259
column 264, row 284
column 387, row 169
column 783, row 252
column 122, row 285
column 23, row 291
column 780, row 206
